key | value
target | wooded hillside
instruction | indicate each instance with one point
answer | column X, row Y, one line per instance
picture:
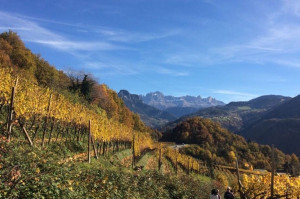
column 212, row 143
column 76, row 87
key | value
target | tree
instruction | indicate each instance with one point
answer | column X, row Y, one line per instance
column 86, row 87
column 44, row 73
column 295, row 165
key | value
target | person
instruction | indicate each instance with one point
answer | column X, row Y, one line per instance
column 228, row 194
column 215, row 194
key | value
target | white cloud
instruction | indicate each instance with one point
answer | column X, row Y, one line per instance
column 110, row 68
column 106, row 39
column 32, row 32
column 71, row 45
column 49, row 21
column 290, row 63
column 235, row 93
column 188, row 59
column 166, row 71
column 123, row 36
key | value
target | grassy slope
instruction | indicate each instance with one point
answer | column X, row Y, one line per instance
column 52, row 172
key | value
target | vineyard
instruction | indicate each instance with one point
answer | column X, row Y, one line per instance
column 45, row 118
column 253, row 184
column 40, row 112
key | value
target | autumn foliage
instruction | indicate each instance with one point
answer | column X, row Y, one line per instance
column 211, row 143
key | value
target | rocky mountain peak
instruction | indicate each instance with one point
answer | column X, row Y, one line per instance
column 124, row 94
column 162, row 102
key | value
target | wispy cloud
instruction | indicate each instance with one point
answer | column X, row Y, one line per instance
column 12, row 27
column 100, row 39
column 287, row 62
column 26, row 28
column 166, row 71
column 235, row 93
column 110, row 34
column 291, row 7
column 70, row 45
column 278, row 42
column 266, row 49
column 106, row 33
column 188, row 59
column 110, row 68
column 32, row 32
column 49, row 21
column 125, row 36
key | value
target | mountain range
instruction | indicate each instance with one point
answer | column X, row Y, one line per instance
column 186, row 104
column 269, row 119
column 150, row 115
column 235, row 116
column 156, row 109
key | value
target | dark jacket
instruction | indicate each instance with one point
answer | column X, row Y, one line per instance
column 228, row 195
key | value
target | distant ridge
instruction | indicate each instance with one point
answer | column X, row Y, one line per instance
column 280, row 126
column 179, row 106
column 236, row 116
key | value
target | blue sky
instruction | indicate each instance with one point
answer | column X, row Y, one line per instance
column 230, row 50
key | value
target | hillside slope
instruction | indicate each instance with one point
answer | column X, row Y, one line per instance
column 55, row 172
column 212, row 143
column 79, row 88
column 280, row 126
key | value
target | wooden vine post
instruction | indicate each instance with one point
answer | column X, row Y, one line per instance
column 26, row 134
column 238, row 175
column 188, row 166
column 159, row 158
column 10, row 114
column 94, row 147
column 176, row 160
column 242, row 194
column 273, row 172
column 46, row 120
column 51, row 131
column 89, row 142
column 133, row 150
column 11, row 110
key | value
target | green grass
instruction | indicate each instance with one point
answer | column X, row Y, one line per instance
column 144, row 160
column 121, row 155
